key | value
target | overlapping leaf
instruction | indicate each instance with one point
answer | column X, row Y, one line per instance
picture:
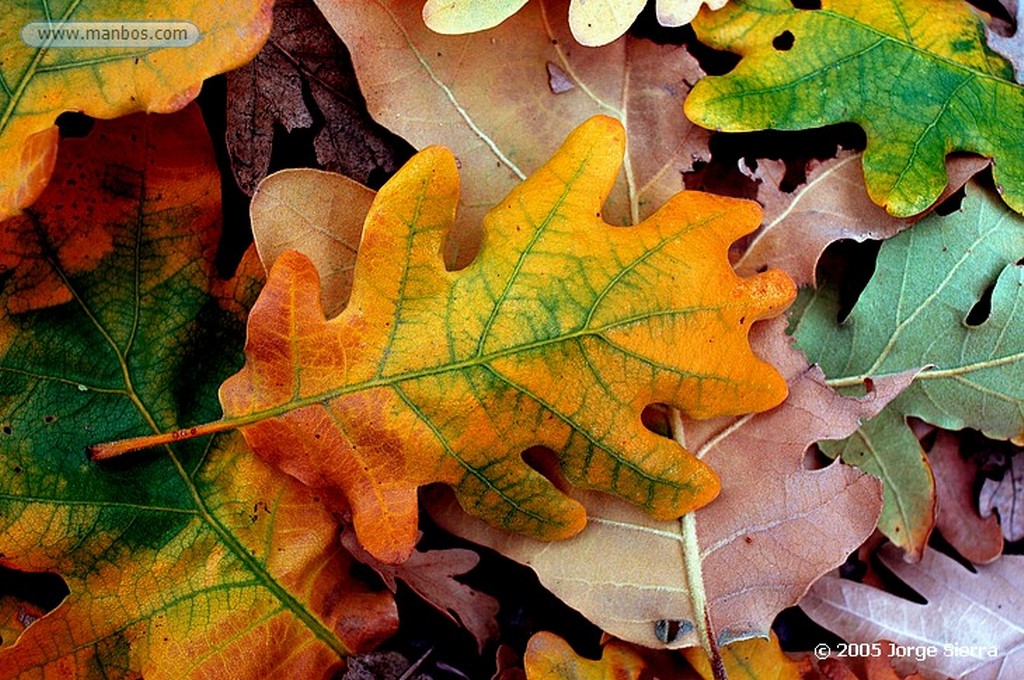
column 737, row 562
column 594, row 22
column 491, row 98
column 1010, row 45
column 199, row 561
column 38, row 84
column 850, row 61
column 972, row 619
column 754, row 659
column 301, row 55
column 913, row 314
column 429, row 375
column 549, row 657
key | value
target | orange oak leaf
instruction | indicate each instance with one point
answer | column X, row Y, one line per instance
column 200, row 561
column 37, row 83
column 753, row 659
column 558, row 334
column 549, row 657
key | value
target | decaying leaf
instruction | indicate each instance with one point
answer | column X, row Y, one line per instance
column 977, row 539
column 39, row 83
column 849, row 62
column 303, row 55
column 199, row 561
column 972, row 620
column 429, row 375
column 754, row 659
column 478, row 94
column 775, row 528
column 913, row 314
column 326, row 230
column 549, row 657
column 1006, row 497
column 832, row 205
column 1010, row 46
column 432, row 575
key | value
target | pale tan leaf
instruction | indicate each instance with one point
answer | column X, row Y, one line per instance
column 1006, row 497
column 775, row 528
column 680, row 12
column 477, row 94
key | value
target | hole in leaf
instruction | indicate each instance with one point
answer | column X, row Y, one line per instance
column 815, row 459
column 982, row 308
column 42, row 589
column 951, row 204
column 74, row 124
column 806, row 4
column 655, row 417
column 783, row 42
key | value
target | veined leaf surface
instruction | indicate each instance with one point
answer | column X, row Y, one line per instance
column 558, row 334
column 199, row 561
column 915, row 74
column 914, row 314
column 39, row 83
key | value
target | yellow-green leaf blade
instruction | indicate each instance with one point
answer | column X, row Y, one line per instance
column 851, row 61
column 558, row 335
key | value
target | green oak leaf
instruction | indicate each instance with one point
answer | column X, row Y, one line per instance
column 913, row 314
column 197, row 561
column 915, row 74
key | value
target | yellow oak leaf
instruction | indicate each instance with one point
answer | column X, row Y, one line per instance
column 40, row 77
column 558, row 334
column 549, row 657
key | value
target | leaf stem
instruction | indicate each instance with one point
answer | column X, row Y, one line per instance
column 113, row 449
column 695, row 572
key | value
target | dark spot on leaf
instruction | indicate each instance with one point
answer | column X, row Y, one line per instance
column 783, row 42
column 7, row 429
column 748, row 539
column 49, row 419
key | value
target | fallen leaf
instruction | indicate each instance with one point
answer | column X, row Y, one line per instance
column 319, row 214
column 436, row 376
column 38, row 84
column 848, row 62
column 15, row 617
column 1002, row 497
column 972, row 620
column 549, row 657
column 977, row 539
column 382, row 666
column 755, row 659
column 594, row 23
column 188, row 563
column 748, row 552
column 1010, row 46
column 431, row 575
column 477, row 95
column 912, row 315
column 832, row 205
column 302, row 75
column 507, row 664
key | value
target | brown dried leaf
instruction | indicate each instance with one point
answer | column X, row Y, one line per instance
column 431, row 575
column 1010, row 46
column 303, row 55
column 477, row 94
column 977, row 539
column 833, row 204
column 754, row 542
column 1006, row 497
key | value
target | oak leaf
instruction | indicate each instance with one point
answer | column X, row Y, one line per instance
column 973, row 619
column 975, row 536
column 913, row 314
column 1006, row 497
column 549, row 657
column 1010, row 45
column 450, row 90
column 429, row 375
column 848, row 62
column 830, row 206
column 736, row 562
column 594, row 22
column 754, row 659
column 186, row 563
column 39, row 83
column 431, row 575
column 301, row 77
